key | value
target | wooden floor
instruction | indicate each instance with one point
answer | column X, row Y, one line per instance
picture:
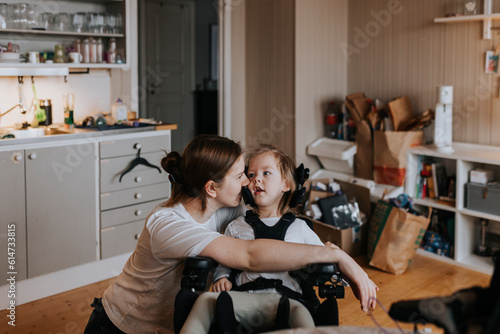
column 68, row 312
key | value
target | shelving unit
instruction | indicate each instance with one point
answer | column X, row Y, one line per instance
column 44, row 40
column 460, row 162
column 487, row 17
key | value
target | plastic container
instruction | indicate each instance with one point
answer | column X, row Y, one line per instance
column 119, row 111
column 335, row 155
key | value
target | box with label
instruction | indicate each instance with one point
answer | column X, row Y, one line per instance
column 481, row 176
column 483, row 198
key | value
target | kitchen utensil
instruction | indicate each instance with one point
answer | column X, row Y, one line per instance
column 39, row 113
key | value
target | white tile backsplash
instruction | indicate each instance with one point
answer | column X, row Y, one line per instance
column 92, row 95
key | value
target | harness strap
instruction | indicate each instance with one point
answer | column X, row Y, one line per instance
column 262, row 283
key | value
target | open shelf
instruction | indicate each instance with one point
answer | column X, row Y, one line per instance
column 459, row 163
column 467, row 18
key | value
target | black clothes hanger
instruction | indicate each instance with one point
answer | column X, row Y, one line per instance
column 138, row 161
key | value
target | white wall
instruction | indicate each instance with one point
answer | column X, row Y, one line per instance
column 92, row 94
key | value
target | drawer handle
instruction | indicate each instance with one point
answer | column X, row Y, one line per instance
column 137, row 236
column 138, row 179
column 137, row 146
column 32, row 156
column 138, row 212
column 138, row 195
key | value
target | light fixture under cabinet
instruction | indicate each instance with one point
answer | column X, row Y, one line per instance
column 33, row 71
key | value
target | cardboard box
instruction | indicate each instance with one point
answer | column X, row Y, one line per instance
column 354, row 240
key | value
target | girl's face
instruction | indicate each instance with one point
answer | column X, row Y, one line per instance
column 266, row 184
column 229, row 193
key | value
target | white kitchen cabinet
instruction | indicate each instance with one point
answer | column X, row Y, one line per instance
column 13, row 212
column 49, row 194
column 125, row 203
column 460, row 162
column 45, row 40
column 60, row 207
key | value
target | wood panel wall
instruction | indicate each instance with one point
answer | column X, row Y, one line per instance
column 270, row 72
column 320, row 69
column 406, row 53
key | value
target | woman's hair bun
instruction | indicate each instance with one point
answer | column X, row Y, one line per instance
column 171, row 163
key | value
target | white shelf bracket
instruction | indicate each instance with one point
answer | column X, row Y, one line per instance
column 487, row 22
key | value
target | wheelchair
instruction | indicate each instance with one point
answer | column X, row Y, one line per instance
column 326, row 277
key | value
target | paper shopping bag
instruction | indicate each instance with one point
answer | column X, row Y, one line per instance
column 389, row 154
column 394, row 237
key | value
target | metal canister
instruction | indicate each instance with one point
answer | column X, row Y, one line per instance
column 47, row 106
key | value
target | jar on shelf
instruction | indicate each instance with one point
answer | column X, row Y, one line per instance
column 59, row 54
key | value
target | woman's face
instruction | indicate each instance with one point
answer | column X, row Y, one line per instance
column 229, row 193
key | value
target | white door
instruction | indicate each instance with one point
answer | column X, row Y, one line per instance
column 167, row 65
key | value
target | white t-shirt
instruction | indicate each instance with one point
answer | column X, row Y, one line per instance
column 298, row 232
column 141, row 298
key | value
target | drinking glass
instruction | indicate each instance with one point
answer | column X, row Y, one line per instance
column 80, row 22
column 61, row 22
column 3, row 15
column 31, row 18
column 19, row 15
column 47, row 20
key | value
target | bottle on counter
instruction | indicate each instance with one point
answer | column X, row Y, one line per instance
column 119, row 111
column 112, row 51
column 331, row 126
column 86, row 51
column 93, row 50
column 69, row 103
column 47, row 106
column 99, row 51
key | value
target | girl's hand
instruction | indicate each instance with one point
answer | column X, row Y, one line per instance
column 222, row 284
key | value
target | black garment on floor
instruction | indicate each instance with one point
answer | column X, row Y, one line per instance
column 99, row 322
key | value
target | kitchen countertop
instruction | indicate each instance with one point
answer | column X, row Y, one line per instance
column 79, row 133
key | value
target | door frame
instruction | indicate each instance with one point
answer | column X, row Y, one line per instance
column 141, row 33
column 225, row 7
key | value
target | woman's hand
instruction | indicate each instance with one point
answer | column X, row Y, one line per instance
column 222, row 284
column 362, row 286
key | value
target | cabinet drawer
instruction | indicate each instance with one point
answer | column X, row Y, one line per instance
column 141, row 175
column 120, row 239
column 137, row 195
column 128, row 214
column 123, row 147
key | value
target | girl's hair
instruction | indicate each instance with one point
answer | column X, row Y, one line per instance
column 205, row 158
column 286, row 166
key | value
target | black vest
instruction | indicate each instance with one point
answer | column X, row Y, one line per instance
column 262, row 231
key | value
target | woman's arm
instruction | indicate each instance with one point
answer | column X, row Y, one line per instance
column 263, row 255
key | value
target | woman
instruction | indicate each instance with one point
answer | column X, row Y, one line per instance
column 205, row 197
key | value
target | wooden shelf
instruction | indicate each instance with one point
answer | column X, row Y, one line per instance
column 60, row 33
column 486, row 18
column 467, row 18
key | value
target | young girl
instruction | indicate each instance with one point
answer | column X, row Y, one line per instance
column 206, row 194
column 272, row 183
